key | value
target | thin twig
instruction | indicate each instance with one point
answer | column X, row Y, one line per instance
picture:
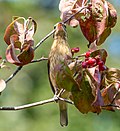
column 14, row 108
column 38, row 60
column 14, row 74
column 82, row 8
column 66, row 100
column 45, row 38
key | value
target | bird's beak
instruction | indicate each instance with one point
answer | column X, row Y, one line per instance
column 59, row 26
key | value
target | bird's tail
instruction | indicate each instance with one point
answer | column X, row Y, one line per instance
column 63, row 113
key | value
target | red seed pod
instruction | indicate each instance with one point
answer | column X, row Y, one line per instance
column 100, row 63
column 84, row 64
column 91, row 61
column 102, row 67
column 97, row 60
column 87, row 54
column 75, row 50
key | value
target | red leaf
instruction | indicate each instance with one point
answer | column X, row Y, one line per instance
column 26, row 56
column 94, row 22
column 112, row 18
column 8, row 32
column 94, row 78
column 19, row 35
column 13, row 29
column 11, row 56
column 66, row 11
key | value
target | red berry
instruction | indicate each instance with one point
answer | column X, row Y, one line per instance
column 97, row 59
column 102, row 67
column 87, row 54
column 91, row 61
column 100, row 63
column 84, row 64
column 86, row 59
column 75, row 50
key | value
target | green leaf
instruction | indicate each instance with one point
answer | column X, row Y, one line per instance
column 64, row 77
column 104, row 36
column 83, row 97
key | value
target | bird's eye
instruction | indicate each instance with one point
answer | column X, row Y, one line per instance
column 54, row 26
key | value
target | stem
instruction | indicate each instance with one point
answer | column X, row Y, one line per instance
column 14, row 108
column 38, row 60
column 45, row 38
column 74, row 14
column 20, row 67
column 14, row 74
column 28, row 105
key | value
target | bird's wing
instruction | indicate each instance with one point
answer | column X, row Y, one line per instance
column 53, row 89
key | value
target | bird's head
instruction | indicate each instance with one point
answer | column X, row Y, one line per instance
column 60, row 30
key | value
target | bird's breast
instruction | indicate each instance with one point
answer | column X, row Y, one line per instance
column 60, row 51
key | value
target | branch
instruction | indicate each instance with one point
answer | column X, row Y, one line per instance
column 20, row 67
column 54, row 99
column 14, row 74
column 45, row 38
column 82, row 8
column 38, row 60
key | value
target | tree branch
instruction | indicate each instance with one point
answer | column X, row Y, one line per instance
column 39, row 60
column 54, row 99
column 45, row 38
column 14, row 74
column 20, row 67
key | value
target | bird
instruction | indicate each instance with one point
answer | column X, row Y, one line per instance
column 59, row 52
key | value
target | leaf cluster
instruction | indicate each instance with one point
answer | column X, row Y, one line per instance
column 91, row 89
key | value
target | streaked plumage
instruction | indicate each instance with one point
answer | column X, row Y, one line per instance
column 60, row 50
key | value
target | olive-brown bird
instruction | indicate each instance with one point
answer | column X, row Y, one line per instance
column 60, row 51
